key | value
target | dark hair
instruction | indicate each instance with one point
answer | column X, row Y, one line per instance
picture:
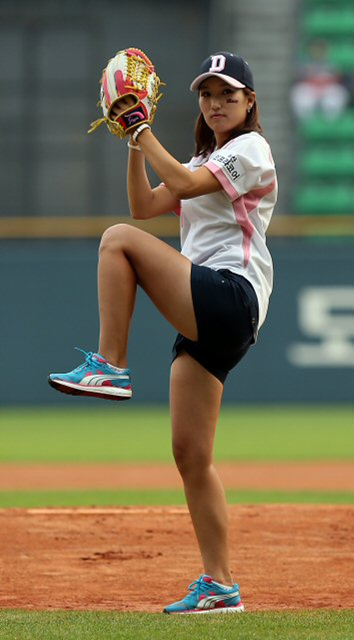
column 205, row 141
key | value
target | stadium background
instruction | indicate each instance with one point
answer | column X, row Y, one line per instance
column 285, row 433
column 60, row 187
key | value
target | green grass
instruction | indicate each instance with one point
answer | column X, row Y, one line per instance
column 125, row 434
column 74, row 625
column 126, row 497
column 142, row 434
column 131, row 434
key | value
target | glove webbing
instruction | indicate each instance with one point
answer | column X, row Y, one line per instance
column 138, row 70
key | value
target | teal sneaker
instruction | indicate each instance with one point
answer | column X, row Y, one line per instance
column 95, row 377
column 208, row 596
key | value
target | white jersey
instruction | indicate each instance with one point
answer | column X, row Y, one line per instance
column 226, row 229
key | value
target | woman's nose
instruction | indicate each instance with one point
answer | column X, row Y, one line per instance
column 215, row 104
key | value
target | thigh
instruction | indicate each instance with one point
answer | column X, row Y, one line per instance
column 226, row 310
column 195, row 399
column 163, row 273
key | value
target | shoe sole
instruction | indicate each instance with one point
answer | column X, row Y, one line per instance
column 239, row 609
column 109, row 393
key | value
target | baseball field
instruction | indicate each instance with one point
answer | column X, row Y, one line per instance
column 96, row 537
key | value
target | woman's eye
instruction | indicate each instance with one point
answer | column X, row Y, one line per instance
column 205, row 94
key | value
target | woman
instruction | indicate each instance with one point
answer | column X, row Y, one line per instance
column 215, row 292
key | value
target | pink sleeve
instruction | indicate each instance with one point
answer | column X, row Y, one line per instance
column 242, row 166
column 224, row 181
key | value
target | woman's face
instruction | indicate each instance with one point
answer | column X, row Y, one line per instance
column 223, row 107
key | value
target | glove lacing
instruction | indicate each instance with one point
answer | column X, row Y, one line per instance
column 139, row 71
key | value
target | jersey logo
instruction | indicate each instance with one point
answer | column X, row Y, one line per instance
column 217, row 63
column 229, row 163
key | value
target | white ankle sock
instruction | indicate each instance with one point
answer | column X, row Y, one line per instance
column 118, row 369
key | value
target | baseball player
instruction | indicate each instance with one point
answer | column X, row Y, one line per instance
column 214, row 292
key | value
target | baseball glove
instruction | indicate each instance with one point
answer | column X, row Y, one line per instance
column 129, row 73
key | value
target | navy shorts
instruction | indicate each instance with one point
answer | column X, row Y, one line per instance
column 226, row 310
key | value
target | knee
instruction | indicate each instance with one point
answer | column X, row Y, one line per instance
column 115, row 237
column 179, row 451
column 190, row 458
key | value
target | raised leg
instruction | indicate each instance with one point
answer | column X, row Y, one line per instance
column 129, row 256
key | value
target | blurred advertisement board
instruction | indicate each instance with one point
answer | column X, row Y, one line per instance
column 304, row 353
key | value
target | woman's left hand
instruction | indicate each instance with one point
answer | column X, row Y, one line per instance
column 121, row 105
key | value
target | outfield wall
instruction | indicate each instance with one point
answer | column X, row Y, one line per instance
column 305, row 351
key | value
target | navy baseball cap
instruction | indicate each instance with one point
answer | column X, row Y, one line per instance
column 228, row 66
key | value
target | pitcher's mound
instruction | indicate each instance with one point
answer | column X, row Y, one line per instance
column 140, row 559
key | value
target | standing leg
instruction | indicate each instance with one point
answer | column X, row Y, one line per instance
column 195, row 398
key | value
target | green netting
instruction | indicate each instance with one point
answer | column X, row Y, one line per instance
column 322, row 199
column 329, row 21
column 327, row 4
column 321, row 128
column 331, row 162
column 342, row 56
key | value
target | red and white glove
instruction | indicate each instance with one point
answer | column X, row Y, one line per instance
column 129, row 73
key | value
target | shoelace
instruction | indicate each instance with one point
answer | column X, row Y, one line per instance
column 197, row 587
column 89, row 361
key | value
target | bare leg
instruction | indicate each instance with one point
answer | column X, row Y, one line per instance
column 129, row 256
column 117, row 285
column 195, row 397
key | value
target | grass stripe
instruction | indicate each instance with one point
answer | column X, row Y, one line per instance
column 87, row 498
column 67, row 625
column 134, row 434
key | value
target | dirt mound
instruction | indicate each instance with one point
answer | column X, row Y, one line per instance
column 130, row 559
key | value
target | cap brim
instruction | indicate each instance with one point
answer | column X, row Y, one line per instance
column 234, row 83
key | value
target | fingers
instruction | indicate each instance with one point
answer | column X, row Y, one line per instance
column 121, row 105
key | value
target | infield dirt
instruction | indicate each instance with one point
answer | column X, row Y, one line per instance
column 139, row 559
column 129, row 559
column 286, row 476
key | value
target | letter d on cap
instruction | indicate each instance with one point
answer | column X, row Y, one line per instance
column 217, row 63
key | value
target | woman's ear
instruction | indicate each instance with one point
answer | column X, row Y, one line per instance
column 251, row 100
